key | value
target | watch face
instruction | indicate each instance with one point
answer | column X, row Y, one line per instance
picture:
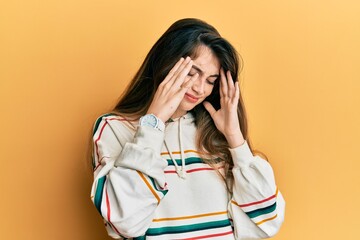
column 149, row 120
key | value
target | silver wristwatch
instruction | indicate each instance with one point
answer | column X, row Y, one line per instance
column 152, row 121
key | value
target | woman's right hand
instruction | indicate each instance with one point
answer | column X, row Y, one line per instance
column 172, row 90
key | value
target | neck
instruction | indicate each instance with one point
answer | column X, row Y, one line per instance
column 178, row 113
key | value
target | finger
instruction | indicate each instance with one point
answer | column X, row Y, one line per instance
column 230, row 83
column 181, row 76
column 220, row 87
column 173, row 71
column 209, row 108
column 188, row 83
column 223, row 83
column 184, row 88
column 237, row 93
column 179, row 69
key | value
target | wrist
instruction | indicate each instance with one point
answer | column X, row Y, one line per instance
column 235, row 140
column 151, row 120
column 158, row 115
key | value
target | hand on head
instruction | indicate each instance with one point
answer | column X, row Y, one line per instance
column 226, row 118
column 172, row 90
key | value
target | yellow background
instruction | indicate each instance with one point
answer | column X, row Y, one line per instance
column 62, row 63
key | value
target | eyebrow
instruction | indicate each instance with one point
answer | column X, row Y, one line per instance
column 201, row 71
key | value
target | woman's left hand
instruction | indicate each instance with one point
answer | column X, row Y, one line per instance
column 226, row 118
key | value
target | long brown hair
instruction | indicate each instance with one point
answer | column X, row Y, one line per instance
column 180, row 40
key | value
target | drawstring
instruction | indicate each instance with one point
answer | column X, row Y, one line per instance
column 180, row 171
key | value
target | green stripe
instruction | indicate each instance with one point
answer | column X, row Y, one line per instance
column 98, row 121
column 188, row 228
column 154, row 185
column 140, row 238
column 99, row 193
column 188, row 161
column 261, row 211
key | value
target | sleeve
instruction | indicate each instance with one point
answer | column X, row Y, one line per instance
column 257, row 206
column 129, row 180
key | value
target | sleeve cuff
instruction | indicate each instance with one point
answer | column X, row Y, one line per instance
column 149, row 137
column 241, row 155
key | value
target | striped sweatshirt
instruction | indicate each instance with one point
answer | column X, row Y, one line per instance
column 139, row 194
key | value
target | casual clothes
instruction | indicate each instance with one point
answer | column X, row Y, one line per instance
column 145, row 189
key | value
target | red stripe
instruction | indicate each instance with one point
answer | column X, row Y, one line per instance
column 201, row 169
column 113, row 227
column 108, row 213
column 107, row 205
column 264, row 200
column 198, row 169
column 119, row 119
column 193, row 170
column 209, row 236
column 101, row 131
column 189, row 171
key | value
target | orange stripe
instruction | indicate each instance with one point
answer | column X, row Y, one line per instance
column 189, row 217
column 149, row 186
column 265, row 220
column 186, row 151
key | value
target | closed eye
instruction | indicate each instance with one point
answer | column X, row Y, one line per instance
column 212, row 81
column 192, row 73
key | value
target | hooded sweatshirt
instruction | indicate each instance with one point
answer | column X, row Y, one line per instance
column 150, row 184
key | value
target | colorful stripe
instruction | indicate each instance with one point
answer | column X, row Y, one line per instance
column 98, row 121
column 261, row 211
column 115, row 229
column 157, row 189
column 209, row 235
column 262, row 201
column 187, row 228
column 96, row 143
column 149, row 186
column 195, row 170
column 140, row 238
column 107, row 205
column 189, row 217
column 178, row 152
column 188, row 161
column 109, row 212
column 202, row 169
column 99, row 137
column 267, row 219
column 99, row 193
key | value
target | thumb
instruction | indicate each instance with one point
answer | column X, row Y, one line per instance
column 209, row 108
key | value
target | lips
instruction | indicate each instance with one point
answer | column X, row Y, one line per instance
column 191, row 98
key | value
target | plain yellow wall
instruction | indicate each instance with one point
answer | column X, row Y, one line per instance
column 62, row 63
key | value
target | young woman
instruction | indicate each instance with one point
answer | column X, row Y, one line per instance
column 173, row 160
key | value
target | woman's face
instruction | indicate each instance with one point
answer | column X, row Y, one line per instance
column 207, row 66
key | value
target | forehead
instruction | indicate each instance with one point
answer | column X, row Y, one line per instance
column 206, row 60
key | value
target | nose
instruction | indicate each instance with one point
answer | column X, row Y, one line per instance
column 199, row 85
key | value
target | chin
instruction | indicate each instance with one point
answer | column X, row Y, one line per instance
column 190, row 107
